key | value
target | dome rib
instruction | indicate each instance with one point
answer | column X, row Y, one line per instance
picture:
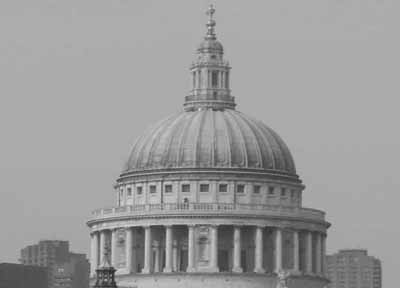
column 241, row 138
column 269, row 161
column 275, row 148
column 197, row 141
column 169, row 132
column 254, row 141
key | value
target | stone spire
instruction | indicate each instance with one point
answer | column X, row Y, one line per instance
column 210, row 74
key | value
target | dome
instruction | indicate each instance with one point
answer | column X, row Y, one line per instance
column 210, row 138
column 210, row 46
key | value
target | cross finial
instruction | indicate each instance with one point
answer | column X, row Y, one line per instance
column 210, row 23
column 211, row 11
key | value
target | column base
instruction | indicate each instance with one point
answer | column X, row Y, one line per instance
column 146, row 271
column 237, row 270
column 190, row 269
column 259, row 270
column 167, row 270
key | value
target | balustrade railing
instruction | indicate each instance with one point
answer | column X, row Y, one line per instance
column 239, row 208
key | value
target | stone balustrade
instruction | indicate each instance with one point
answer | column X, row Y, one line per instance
column 209, row 208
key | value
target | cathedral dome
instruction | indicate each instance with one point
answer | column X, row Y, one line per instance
column 208, row 138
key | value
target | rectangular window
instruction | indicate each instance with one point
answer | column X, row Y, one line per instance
column 139, row 190
column 283, row 192
column 223, row 188
column 271, row 190
column 204, row 187
column 256, row 189
column 292, row 194
column 214, row 79
column 185, row 187
column 129, row 191
column 240, row 188
column 168, row 188
column 153, row 188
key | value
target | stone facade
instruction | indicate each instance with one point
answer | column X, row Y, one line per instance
column 210, row 198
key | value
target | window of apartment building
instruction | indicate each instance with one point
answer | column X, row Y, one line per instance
column 223, row 188
column 204, row 187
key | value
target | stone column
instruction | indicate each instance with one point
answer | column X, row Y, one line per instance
column 323, row 248
column 191, row 249
column 258, row 255
column 296, row 258
column 278, row 250
column 175, row 256
column 128, row 249
column 114, row 247
column 94, row 252
column 309, row 252
column 237, row 249
column 168, row 249
column 318, row 255
column 214, row 249
column 103, row 234
column 147, row 250
column 156, row 268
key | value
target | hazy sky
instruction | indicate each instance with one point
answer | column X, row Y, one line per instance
column 81, row 79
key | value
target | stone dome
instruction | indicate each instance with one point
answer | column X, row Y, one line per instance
column 210, row 138
column 210, row 46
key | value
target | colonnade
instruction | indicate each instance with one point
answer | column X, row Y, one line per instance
column 307, row 251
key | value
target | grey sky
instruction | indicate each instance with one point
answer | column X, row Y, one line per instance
column 80, row 80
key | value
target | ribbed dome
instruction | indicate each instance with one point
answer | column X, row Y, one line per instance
column 210, row 46
column 210, row 139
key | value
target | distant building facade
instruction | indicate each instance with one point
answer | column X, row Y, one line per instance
column 65, row 269
column 22, row 276
column 354, row 268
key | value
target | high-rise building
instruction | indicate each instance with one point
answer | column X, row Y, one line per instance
column 354, row 268
column 210, row 197
column 62, row 265
column 22, row 276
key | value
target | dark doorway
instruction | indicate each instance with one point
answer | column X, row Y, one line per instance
column 223, row 260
